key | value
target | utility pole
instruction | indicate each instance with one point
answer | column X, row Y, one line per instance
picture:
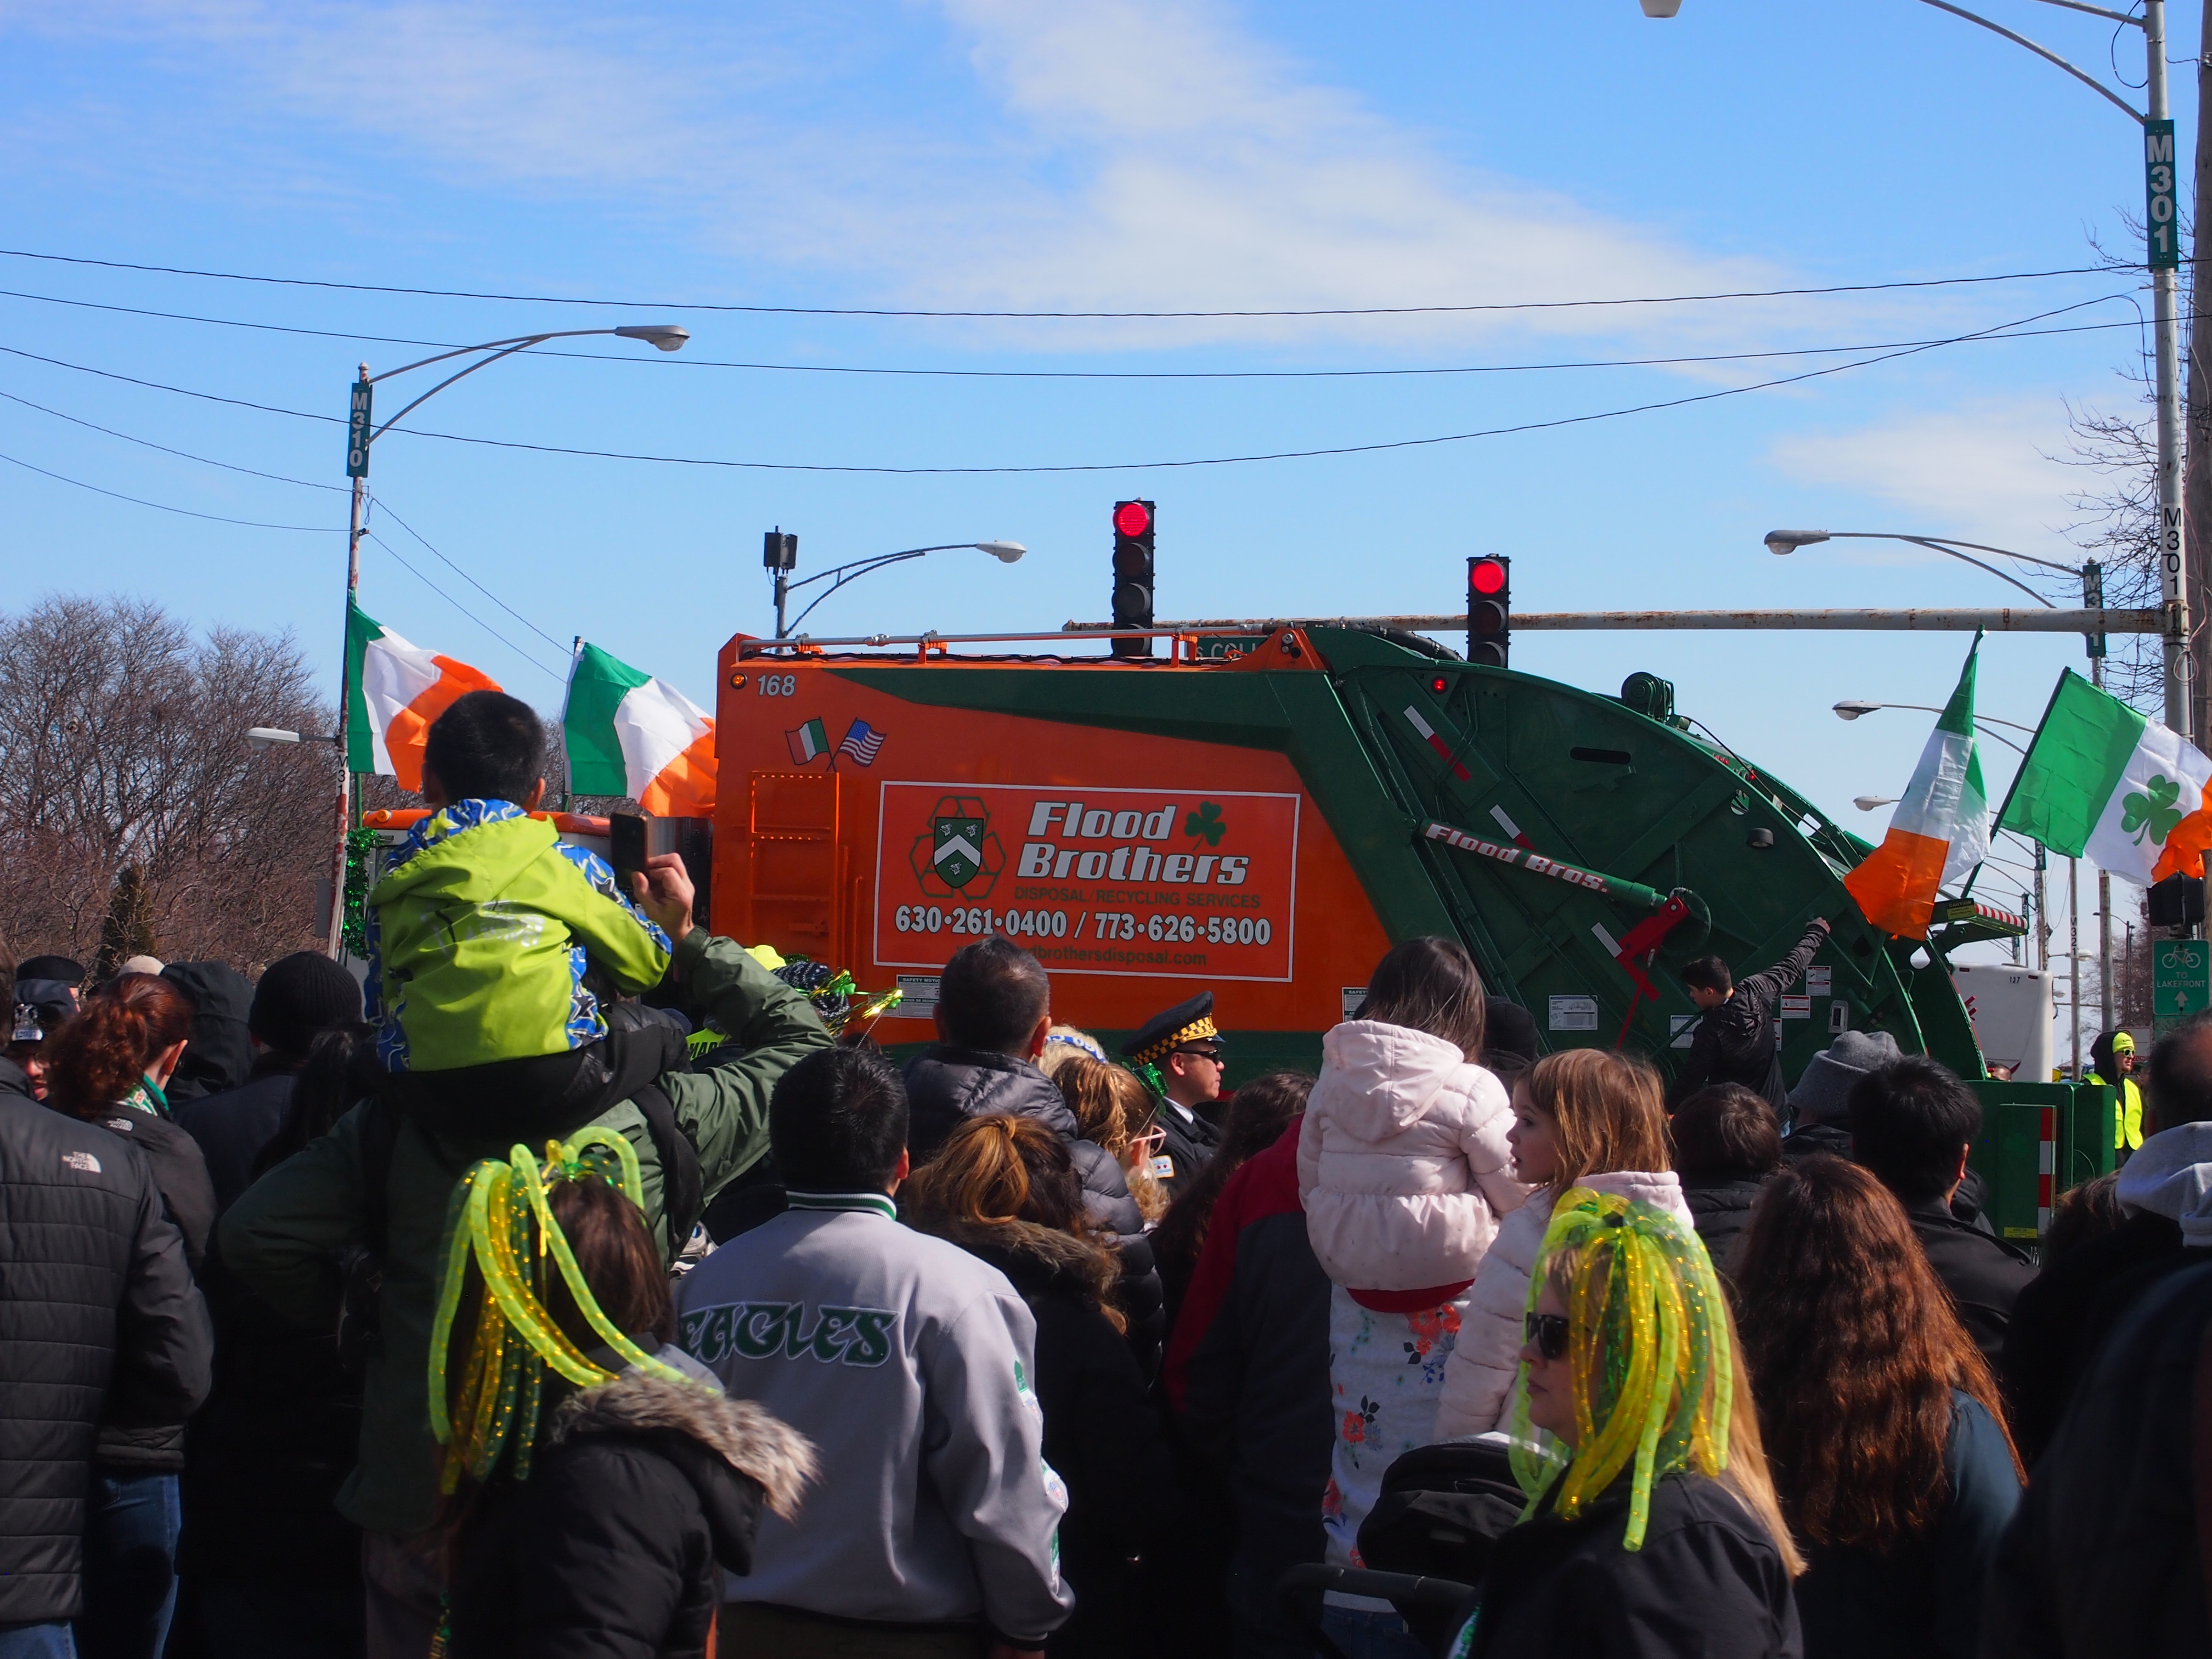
column 2164, row 262
column 2042, row 912
column 2196, row 483
column 357, row 441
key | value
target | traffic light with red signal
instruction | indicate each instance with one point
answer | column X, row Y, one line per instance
column 1489, row 610
column 1133, row 525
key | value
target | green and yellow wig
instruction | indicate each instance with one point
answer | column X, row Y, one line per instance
column 500, row 1220
column 1649, row 1350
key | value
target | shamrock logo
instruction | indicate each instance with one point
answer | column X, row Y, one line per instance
column 1207, row 822
column 2153, row 812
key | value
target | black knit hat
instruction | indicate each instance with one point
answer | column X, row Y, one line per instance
column 57, row 968
column 300, row 997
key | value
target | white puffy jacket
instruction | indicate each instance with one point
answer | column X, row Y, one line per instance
column 1478, row 1376
column 1403, row 1166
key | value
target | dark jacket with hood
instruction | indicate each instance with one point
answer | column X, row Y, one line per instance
column 233, row 1126
column 14, row 1080
column 99, row 1322
column 1734, row 1041
column 2105, row 1555
column 1708, row 1582
column 946, row 1085
column 1720, row 1207
column 2062, row 1318
column 219, row 1054
column 1101, row 1436
column 644, row 1495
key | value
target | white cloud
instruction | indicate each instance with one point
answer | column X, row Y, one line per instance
column 1982, row 471
column 1147, row 153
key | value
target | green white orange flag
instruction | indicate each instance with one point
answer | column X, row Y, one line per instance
column 631, row 734
column 395, row 690
column 2102, row 780
column 1941, row 829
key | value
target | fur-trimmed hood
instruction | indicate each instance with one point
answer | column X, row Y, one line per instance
column 742, row 1435
column 1039, row 1260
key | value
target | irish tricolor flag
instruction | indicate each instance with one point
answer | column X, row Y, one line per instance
column 2101, row 779
column 1941, row 829
column 631, row 734
column 396, row 691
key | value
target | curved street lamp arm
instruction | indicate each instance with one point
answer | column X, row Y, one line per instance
column 2046, row 54
column 2096, row 11
column 521, row 345
column 861, row 567
column 1922, row 541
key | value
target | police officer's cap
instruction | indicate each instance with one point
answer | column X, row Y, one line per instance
column 1163, row 1033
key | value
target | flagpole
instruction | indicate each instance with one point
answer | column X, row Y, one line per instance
column 2074, row 954
column 567, row 776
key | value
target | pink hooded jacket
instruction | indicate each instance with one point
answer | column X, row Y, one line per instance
column 1479, row 1377
column 1403, row 1166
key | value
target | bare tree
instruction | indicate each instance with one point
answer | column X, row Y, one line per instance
column 2116, row 524
column 125, row 779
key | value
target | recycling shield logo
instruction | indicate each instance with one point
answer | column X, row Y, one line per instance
column 961, row 855
column 958, row 854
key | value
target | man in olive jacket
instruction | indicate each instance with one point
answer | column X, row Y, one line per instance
column 284, row 1236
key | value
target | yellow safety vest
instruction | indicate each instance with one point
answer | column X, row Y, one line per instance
column 2127, row 1114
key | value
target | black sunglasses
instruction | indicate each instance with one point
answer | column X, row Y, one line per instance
column 1213, row 1054
column 1547, row 1334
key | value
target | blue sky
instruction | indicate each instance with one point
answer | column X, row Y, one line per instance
column 1124, row 154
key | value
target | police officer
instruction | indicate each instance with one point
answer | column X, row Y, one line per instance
column 1180, row 1053
column 2114, row 1057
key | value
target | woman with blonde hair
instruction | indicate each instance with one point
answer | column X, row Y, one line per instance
column 1652, row 1529
column 1005, row 1190
column 1584, row 1117
column 1114, row 1109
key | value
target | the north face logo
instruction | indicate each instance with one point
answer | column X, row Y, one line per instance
column 83, row 1162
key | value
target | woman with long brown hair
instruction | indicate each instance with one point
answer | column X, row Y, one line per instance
column 1882, row 1421
column 108, row 1066
column 1005, row 1190
column 1582, row 1117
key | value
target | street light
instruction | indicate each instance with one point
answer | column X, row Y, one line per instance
column 1785, row 542
column 2162, row 248
column 782, row 555
column 361, row 433
column 1873, row 803
column 269, row 737
column 1851, row 707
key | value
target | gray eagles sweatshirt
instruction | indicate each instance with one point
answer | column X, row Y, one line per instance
column 907, row 1361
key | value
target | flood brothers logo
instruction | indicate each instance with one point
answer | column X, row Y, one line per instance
column 1137, row 856
column 959, row 848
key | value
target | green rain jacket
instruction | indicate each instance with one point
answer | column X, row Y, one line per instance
column 478, row 939
column 284, row 1235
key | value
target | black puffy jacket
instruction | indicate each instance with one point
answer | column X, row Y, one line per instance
column 99, row 1322
column 1707, row 1582
column 1734, row 1041
column 220, row 1056
column 946, row 1085
column 614, row 1548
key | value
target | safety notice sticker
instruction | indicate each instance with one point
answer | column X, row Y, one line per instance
column 1147, row 882
column 1574, row 1013
column 1796, row 1007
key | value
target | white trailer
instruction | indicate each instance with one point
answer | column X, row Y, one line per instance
column 2010, row 1009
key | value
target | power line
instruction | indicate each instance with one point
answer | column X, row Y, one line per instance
column 1076, row 316
column 163, row 506
column 660, row 361
column 182, row 454
column 1997, row 330
column 558, row 645
column 463, row 610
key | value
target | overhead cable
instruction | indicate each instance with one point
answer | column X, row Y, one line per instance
column 1995, row 331
column 658, row 361
column 1073, row 316
column 163, row 506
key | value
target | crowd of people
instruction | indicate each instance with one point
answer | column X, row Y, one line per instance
column 479, row 1311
